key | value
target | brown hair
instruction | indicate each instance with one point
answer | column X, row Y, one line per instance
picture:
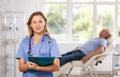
column 30, row 30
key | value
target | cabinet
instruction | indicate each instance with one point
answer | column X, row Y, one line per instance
column 116, row 64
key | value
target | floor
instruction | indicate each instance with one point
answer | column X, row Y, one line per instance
column 100, row 75
column 76, row 73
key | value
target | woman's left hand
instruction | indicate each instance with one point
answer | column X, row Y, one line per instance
column 32, row 65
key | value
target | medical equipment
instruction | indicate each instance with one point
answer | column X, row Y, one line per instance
column 29, row 51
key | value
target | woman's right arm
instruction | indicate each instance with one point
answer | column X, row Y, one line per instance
column 22, row 66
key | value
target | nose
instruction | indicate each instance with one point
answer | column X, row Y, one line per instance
column 37, row 24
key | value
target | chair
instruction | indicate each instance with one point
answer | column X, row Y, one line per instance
column 93, row 61
column 89, row 65
column 63, row 70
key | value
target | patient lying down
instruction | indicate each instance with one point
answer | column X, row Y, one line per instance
column 92, row 47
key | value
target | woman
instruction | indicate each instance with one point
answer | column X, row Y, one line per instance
column 40, row 44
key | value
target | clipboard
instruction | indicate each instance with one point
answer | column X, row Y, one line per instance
column 41, row 61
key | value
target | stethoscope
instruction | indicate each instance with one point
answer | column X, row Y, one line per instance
column 29, row 48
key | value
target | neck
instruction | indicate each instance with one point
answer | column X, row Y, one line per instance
column 38, row 36
column 102, row 37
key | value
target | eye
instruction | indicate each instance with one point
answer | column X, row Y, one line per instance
column 40, row 21
column 33, row 22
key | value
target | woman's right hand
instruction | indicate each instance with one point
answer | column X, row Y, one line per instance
column 32, row 65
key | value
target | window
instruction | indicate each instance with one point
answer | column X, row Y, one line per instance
column 82, row 21
column 79, row 20
column 56, row 15
column 83, row 0
column 105, row 17
column 119, row 22
column 55, row 0
column 105, row 0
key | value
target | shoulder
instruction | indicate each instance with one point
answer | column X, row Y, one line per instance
column 104, row 40
column 101, row 39
column 25, row 39
column 51, row 39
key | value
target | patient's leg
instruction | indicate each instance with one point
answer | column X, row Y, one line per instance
column 71, row 56
column 68, row 53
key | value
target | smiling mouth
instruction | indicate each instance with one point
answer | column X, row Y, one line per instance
column 37, row 28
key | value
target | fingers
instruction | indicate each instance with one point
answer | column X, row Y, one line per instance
column 32, row 65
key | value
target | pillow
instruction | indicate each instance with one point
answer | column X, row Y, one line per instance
column 110, row 45
column 109, row 40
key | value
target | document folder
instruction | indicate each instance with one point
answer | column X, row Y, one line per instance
column 41, row 61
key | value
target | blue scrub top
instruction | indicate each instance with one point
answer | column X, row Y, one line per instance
column 44, row 48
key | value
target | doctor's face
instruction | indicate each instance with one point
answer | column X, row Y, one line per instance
column 37, row 24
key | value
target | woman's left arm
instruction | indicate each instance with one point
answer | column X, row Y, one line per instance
column 54, row 67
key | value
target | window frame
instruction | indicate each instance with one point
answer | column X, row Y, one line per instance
column 70, row 3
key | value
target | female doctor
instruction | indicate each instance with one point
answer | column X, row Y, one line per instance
column 38, row 43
